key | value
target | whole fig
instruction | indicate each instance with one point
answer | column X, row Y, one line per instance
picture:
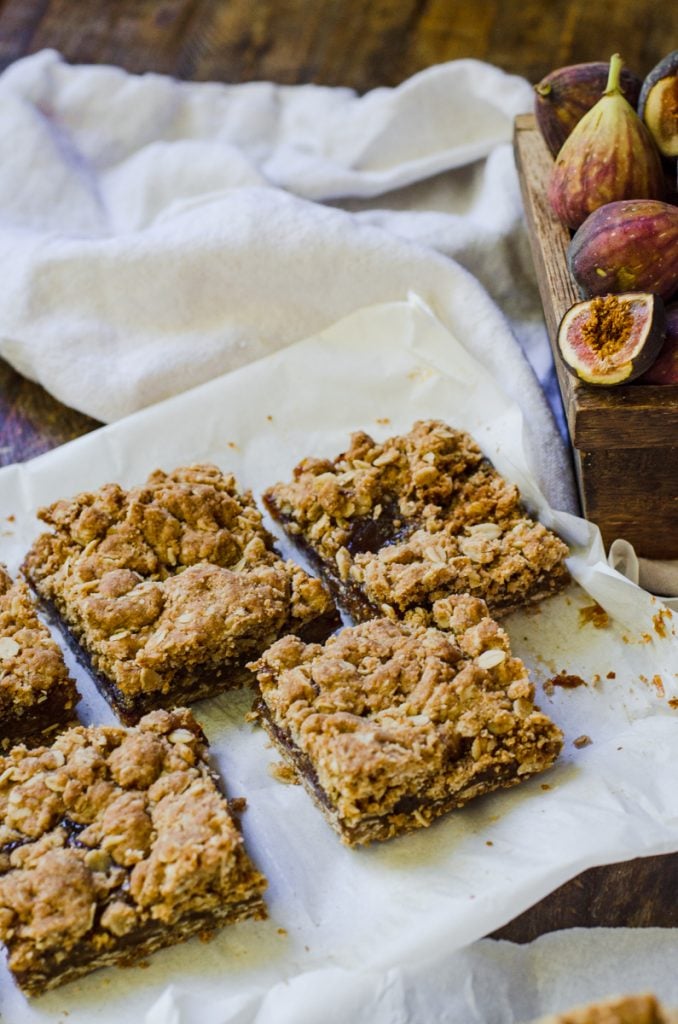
column 609, row 156
column 658, row 104
column 566, row 94
column 664, row 369
column 630, row 245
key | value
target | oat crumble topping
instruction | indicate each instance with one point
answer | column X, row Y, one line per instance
column 389, row 713
column 167, row 578
column 110, row 830
column 36, row 691
column 419, row 516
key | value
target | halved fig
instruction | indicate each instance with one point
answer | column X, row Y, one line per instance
column 612, row 339
column 664, row 369
column 658, row 104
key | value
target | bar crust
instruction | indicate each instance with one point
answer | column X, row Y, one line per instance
column 37, row 694
column 167, row 590
column 389, row 725
column 393, row 527
column 116, row 842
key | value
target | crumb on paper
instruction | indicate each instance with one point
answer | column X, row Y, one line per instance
column 488, row 842
column 11, row 519
column 582, row 741
column 658, row 622
column 566, row 681
column 383, row 420
column 284, row 773
column 595, row 615
column 611, row 675
column 282, row 931
column 237, row 805
column 658, row 684
column 233, row 445
column 673, row 703
column 545, row 785
column 269, row 418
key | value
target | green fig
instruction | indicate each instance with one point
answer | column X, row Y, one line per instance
column 609, row 156
column 566, row 94
column 658, row 104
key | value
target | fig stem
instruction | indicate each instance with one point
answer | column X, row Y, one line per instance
column 543, row 89
column 616, row 65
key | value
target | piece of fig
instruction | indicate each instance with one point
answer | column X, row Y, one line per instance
column 658, row 104
column 631, row 245
column 664, row 369
column 566, row 94
column 609, row 155
column 612, row 339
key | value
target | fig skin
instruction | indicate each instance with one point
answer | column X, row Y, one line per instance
column 612, row 339
column 566, row 94
column 610, row 155
column 658, row 104
column 630, row 245
column 664, row 369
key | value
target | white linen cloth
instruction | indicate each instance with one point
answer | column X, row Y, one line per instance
column 156, row 233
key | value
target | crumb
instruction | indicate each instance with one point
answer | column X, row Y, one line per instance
column 658, row 684
column 566, row 681
column 611, row 675
column 269, row 418
column 282, row 931
column 383, row 420
column 658, row 622
column 233, row 445
column 237, row 805
column 11, row 519
column 596, row 679
column 284, row 773
column 673, row 703
column 545, row 785
column 645, row 638
column 488, row 842
column 594, row 614
column 548, row 688
column 582, row 741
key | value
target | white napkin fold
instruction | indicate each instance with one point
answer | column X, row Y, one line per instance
column 155, row 233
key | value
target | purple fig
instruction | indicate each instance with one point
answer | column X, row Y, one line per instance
column 612, row 339
column 565, row 95
column 631, row 245
column 609, row 156
column 664, row 369
column 658, row 104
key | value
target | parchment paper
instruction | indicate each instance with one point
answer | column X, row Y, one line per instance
column 345, row 924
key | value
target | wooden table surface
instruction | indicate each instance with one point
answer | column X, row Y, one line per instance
column 362, row 45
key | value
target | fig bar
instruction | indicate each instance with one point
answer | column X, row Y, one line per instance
column 390, row 725
column 641, row 1009
column 396, row 526
column 37, row 695
column 168, row 589
column 114, row 843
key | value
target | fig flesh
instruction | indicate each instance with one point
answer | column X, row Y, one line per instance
column 631, row 245
column 566, row 94
column 664, row 369
column 610, row 155
column 658, row 104
column 612, row 339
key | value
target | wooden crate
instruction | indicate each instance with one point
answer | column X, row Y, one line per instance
column 625, row 439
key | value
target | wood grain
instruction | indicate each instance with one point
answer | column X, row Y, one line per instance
column 624, row 438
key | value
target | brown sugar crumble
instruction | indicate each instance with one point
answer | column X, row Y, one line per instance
column 566, row 681
column 168, row 589
column 594, row 615
column 389, row 724
column 396, row 526
column 582, row 741
column 114, row 843
column 37, row 694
